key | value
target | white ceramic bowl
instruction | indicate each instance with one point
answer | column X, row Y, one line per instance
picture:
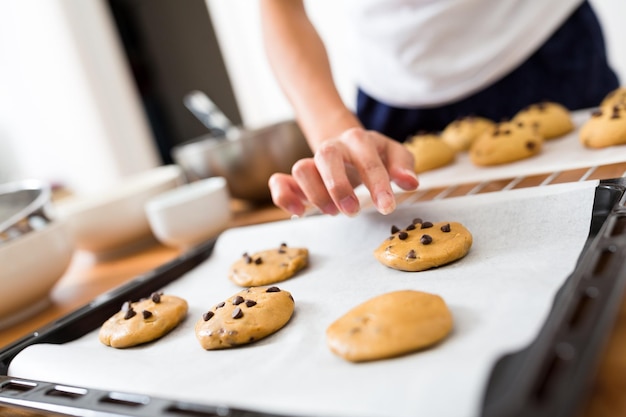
column 30, row 266
column 109, row 221
column 191, row 213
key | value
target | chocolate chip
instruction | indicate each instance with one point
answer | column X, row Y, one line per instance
column 445, row 228
column 238, row 300
column 258, row 261
column 250, row 303
column 130, row 314
column 411, row 254
column 520, row 124
column 410, row 227
column 530, row 145
column 403, row 235
column 146, row 314
column 282, row 248
column 426, row 240
column 394, row 229
column 507, row 132
column 273, row 289
column 417, row 220
column 596, row 113
column 220, row 305
column 156, row 297
column 237, row 313
column 427, row 225
column 247, row 258
column 207, row 316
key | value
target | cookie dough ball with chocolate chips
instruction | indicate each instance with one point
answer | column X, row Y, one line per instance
column 429, row 152
column 268, row 266
column 615, row 97
column 461, row 133
column 143, row 321
column 248, row 316
column 424, row 245
column 508, row 142
column 552, row 120
column 606, row 127
column 390, row 325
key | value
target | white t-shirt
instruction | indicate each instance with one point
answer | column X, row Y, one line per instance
column 411, row 53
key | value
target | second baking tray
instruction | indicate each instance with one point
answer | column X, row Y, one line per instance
column 542, row 379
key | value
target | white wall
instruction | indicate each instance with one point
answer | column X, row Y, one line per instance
column 612, row 15
column 68, row 110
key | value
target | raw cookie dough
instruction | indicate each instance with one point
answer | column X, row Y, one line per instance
column 615, row 97
column 461, row 133
column 508, row 142
column 268, row 266
column 429, row 152
column 552, row 120
column 246, row 317
column 424, row 245
column 143, row 321
column 390, row 325
column 606, row 127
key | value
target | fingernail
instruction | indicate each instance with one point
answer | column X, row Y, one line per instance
column 296, row 210
column 330, row 209
column 411, row 173
column 349, row 205
column 385, row 202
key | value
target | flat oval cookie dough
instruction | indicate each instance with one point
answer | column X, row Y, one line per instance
column 143, row 321
column 390, row 325
column 461, row 133
column 250, row 315
column 508, row 142
column 606, row 127
column 424, row 245
column 552, row 120
column 429, row 152
column 615, row 97
column 268, row 266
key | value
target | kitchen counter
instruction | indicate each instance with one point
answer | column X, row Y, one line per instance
column 87, row 278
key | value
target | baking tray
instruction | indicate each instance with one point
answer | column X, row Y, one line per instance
column 547, row 378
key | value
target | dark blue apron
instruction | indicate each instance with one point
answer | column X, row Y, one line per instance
column 571, row 68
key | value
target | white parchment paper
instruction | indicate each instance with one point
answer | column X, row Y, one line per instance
column 557, row 155
column 526, row 243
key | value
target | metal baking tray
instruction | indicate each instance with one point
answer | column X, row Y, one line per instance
column 547, row 378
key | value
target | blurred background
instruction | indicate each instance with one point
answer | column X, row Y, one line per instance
column 91, row 91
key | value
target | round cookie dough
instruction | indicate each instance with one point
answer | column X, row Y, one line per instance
column 429, row 152
column 390, row 325
column 424, row 245
column 615, row 97
column 508, row 142
column 246, row 317
column 143, row 321
column 552, row 120
column 606, row 127
column 268, row 266
column 461, row 133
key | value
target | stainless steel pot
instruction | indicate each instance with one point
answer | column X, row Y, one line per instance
column 246, row 159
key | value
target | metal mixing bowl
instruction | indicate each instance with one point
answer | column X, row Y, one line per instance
column 247, row 160
column 24, row 206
